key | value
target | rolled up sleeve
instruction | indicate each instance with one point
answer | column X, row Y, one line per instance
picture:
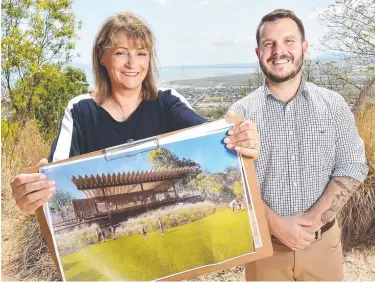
column 350, row 159
column 237, row 109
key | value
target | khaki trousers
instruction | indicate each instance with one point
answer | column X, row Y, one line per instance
column 322, row 260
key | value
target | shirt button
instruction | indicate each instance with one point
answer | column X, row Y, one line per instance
column 293, row 157
column 291, row 132
column 294, row 183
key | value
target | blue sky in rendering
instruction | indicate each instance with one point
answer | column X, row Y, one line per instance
column 208, row 151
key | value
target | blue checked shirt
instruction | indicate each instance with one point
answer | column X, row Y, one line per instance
column 304, row 143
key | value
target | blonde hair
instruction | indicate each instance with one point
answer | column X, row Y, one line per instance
column 138, row 32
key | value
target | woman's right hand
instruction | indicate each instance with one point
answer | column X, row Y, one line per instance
column 31, row 191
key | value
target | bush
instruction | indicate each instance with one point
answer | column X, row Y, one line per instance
column 358, row 215
column 24, row 255
column 170, row 217
column 82, row 237
column 8, row 129
column 79, row 238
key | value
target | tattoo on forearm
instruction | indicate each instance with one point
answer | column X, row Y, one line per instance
column 348, row 186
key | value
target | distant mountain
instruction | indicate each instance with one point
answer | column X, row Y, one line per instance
column 330, row 57
column 244, row 65
column 217, row 81
column 88, row 69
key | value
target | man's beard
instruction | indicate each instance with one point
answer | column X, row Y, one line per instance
column 279, row 79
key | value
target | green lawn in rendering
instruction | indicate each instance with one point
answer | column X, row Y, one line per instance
column 210, row 240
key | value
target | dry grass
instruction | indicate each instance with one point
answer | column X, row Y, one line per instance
column 170, row 216
column 24, row 255
column 358, row 215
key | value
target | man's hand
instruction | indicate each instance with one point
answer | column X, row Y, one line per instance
column 316, row 222
column 291, row 230
column 244, row 138
column 31, row 191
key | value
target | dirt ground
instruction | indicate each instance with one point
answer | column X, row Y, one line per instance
column 359, row 265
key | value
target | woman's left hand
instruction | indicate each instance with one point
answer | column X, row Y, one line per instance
column 244, row 138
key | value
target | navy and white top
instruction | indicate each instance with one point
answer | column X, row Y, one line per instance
column 87, row 127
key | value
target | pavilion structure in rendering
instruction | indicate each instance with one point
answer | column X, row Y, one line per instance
column 117, row 196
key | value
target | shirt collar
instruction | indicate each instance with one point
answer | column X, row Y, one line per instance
column 302, row 89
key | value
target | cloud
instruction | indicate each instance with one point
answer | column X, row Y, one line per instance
column 225, row 43
column 203, row 3
column 224, row 40
column 162, row 2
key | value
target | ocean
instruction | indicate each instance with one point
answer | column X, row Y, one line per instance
column 167, row 74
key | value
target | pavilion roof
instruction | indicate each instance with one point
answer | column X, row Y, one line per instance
column 125, row 183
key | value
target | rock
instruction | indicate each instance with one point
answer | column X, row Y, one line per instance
column 349, row 259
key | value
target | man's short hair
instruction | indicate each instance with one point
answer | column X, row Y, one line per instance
column 281, row 14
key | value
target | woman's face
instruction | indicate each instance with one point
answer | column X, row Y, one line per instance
column 127, row 64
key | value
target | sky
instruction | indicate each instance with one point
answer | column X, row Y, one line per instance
column 208, row 151
column 197, row 32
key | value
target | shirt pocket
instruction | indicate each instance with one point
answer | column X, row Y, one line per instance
column 320, row 145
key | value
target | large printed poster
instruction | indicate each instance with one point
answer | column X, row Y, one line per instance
column 152, row 209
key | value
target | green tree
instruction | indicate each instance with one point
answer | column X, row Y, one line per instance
column 8, row 129
column 61, row 201
column 37, row 37
column 242, row 93
column 196, row 183
column 341, row 76
column 55, row 89
column 232, row 174
column 351, row 29
column 163, row 159
column 214, row 187
column 210, row 186
column 238, row 189
column 213, row 113
column 256, row 79
column 309, row 69
column 219, row 112
column 214, row 184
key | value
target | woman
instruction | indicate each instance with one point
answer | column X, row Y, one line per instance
column 125, row 106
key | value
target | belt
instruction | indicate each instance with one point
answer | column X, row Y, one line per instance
column 323, row 229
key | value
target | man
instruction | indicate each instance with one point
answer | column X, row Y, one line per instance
column 144, row 232
column 161, row 226
column 233, row 204
column 100, row 234
column 113, row 232
column 311, row 158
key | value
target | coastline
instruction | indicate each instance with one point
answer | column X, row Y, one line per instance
column 212, row 82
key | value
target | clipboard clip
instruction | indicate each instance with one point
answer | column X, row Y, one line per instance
column 128, row 149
